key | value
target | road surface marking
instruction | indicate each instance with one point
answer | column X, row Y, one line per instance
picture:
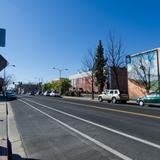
column 101, row 126
column 113, row 110
column 102, row 145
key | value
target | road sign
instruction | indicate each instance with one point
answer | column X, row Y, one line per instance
column 3, row 62
column 2, row 37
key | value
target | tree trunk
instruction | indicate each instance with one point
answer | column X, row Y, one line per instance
column 92, row 86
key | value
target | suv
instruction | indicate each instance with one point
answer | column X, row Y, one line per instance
column 113, row 95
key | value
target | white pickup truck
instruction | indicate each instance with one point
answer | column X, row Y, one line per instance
column 113, row 95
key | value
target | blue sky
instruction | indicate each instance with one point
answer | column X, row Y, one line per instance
column 46, row 33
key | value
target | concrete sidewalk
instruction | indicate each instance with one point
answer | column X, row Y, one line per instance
column 13, row 135
column 80, row 98
column 4, row 149
column 18, row 151
column 2, row 121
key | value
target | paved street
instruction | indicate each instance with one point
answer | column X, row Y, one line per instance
column 66, row 129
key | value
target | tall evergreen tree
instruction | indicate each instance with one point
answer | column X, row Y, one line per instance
column 100, row 63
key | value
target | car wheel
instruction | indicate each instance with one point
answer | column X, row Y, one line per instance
column 141, row 103
column 114, row 100
column 100, row 99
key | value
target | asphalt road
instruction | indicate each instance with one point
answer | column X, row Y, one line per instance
column 64, row 129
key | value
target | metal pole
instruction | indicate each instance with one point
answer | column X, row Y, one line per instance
column 92, row 85
column 60, row 81
column 4, row 79
column 60, row 74
column 5, row 100
column 158, row 70
column 6, row 119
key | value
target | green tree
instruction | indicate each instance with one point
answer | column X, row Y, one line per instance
column 61, row 85
column 47, row 86
column 56, row 85
column 65, row 85
column 100, row 63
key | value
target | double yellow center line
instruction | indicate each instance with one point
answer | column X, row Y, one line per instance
column 114, row 110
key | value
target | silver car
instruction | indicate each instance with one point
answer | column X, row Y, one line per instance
column 113, row 95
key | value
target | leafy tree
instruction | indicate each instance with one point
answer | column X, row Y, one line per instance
column 61, row 85
column 56, row 85
column 47, row 86
column 100, row 63
column 65, row 85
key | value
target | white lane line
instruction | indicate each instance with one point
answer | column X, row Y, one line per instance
column 102, row 145
column 101, row 126
column 111, row 109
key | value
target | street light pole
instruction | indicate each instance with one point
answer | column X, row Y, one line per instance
column 60, row 74
column 5, row 99
column 40, row 81
column 60, row 71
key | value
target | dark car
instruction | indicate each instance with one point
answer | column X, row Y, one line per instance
column 10, row 95
column 150, row 99
column 32, row 93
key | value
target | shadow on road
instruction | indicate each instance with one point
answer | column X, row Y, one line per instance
column 17, row 157
column 3, row 151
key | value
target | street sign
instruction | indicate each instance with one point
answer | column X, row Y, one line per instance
column 3, row 62
column 2, row 37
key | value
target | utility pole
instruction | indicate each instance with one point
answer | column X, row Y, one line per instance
column 60, row 70
column 40, row 81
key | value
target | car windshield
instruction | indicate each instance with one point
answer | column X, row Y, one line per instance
column 10, row 92
column 106, row 91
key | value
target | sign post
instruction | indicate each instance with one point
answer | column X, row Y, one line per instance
column 3, row 62
column 2, row 37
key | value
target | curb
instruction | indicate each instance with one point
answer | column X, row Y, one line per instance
column 5, row 145
column 81, row 98
column 94, row 100
column 14, row 136
column 9, row 147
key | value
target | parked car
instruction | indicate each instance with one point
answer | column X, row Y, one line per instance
column 73, row 93
column 32, row 93
column 150, row 99
column 55, row 94
column 114, row 96
column 47, row 93
column 10, row 95
column 38, row 93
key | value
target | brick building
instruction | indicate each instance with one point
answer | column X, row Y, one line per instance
column 122, row 79
column 82, row 81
